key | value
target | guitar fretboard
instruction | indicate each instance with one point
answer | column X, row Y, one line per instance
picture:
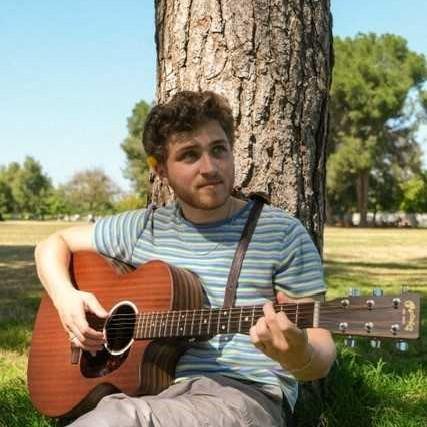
column 209, row 322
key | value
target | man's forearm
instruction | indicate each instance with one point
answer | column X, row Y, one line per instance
column 52, row 260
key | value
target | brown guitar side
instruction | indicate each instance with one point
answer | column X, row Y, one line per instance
column 58, row 387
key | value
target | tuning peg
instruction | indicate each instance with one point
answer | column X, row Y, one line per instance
column 375, row 343
column 354, row 292
column 402, row 345
column 350, row 342
column 377, row 292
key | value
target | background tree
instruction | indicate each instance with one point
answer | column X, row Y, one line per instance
column 136, row 168
column 6, row 198
column 90, row 191
column 272, row 60
column 370, row 128
column 415, row 194
column 25, row 188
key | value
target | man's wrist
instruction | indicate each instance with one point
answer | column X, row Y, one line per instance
column 62, row 293
column 307, row 360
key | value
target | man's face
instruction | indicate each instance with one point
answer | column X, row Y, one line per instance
column 200, row 166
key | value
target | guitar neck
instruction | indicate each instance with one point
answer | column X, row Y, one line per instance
column 388, row 317
column 208, row 322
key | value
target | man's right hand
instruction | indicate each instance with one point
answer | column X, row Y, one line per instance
column 72, row 306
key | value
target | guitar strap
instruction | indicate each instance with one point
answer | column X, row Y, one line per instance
column 242, row 246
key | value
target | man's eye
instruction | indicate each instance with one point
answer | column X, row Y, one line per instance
column 219, row 149
column 189, row 156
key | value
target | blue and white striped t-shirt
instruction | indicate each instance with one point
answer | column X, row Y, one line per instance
column 281, row 255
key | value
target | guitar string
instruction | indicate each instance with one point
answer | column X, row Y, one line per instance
column 150, row 332
column 200, row 313
column 237, row 310
column 159, row 333
column 170, row 322
column 215, row 312
column 233, row 310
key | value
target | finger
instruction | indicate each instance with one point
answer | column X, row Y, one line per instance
column 87, row 344
column 255, row 339
column 276, row 322
column 293, row 335
column 263, row 332
column 94, row 306
column 83, row 331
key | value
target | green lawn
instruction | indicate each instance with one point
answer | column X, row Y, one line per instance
column 378, row 388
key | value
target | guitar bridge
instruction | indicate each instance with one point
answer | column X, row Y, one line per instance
column 76, row 353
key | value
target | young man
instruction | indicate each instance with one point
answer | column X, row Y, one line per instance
column 229, row 380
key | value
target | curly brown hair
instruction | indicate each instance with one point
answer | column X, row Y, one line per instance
column 184, row 112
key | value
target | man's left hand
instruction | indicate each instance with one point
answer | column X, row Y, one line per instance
column 280, row 339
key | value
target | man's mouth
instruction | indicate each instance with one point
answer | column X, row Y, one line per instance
column 210, row 184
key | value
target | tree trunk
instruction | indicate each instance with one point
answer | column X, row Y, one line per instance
column 272, row 60
column 362, row 197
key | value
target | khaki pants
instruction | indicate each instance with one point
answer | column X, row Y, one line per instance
column 204, row 401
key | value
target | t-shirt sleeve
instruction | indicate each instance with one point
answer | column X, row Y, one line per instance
column 115, row 236
column 299, row 272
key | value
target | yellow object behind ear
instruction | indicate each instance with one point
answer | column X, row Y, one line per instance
column 152, row 162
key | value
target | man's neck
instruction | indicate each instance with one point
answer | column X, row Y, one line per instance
column 206, row 216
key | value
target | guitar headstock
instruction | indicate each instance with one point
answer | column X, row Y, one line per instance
column 396, row 317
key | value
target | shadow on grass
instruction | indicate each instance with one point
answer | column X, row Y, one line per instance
column 413, row 265
column 20, row 293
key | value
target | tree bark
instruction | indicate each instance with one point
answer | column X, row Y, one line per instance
column 272, row 59
column 362, row 184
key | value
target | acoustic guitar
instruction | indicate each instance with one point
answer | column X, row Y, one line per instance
column 153, row 312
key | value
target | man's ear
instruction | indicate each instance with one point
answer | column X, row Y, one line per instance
column 160, row 170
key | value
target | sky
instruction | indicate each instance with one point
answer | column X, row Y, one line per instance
column 71, row 72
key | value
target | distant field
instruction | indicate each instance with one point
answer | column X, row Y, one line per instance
column 366, row 258
column 379, row 389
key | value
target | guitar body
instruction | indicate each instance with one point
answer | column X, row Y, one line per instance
column 65, row 381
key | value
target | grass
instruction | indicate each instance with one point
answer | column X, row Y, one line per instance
column 381, row 388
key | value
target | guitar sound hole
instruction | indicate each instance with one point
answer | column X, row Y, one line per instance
column 119, row 328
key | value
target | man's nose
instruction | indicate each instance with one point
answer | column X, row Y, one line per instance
column 208, row 164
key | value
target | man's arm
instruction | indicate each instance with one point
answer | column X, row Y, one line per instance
column 53, row 259
column 307, row 354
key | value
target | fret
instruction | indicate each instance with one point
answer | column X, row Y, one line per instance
column 192, row 323
column 202, row 321
column 185, row 324
column 172, row 321
column 253, row 315
column 245, row 319
column 149, row 325
column 229, row 318
column 165, row 323
column 178, row 322
column 240, row 319
column 143, row 325
column 142, row 333
column 220, row 325
column 158, row 326
column 209, row 321
column 155, row 323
